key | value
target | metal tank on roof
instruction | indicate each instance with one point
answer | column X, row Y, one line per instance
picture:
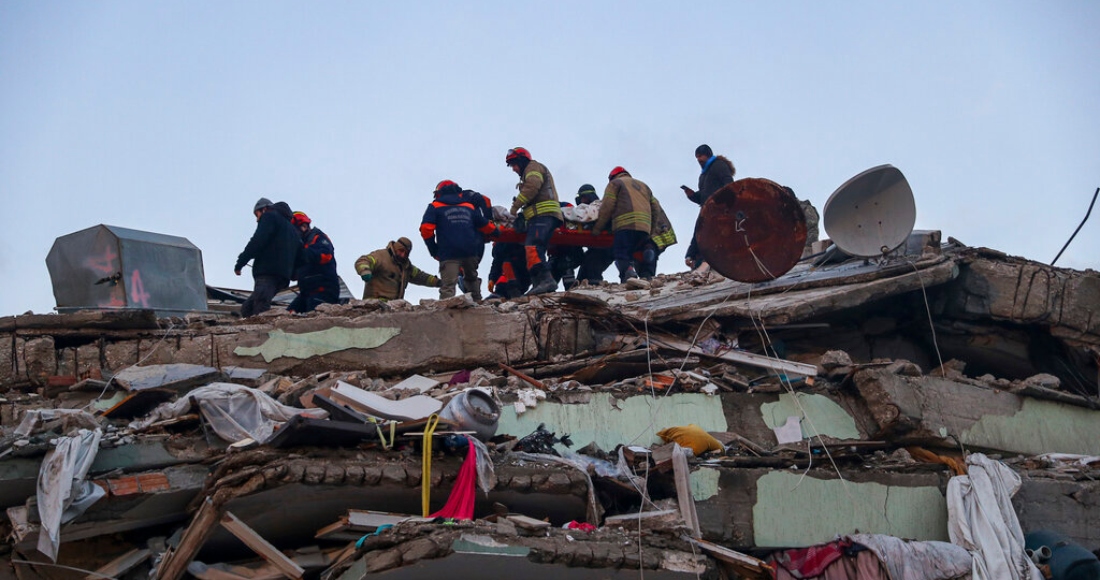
column 108, row 267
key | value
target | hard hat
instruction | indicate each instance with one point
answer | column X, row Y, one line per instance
column 515, row 153
column 300, row 218
column 446, row 186
column 616, row 171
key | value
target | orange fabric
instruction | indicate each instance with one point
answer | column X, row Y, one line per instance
column 922, row 454
column 427, row 230
column 532, row 256
column 465, row 204
column 692, row 436
column 507, row 273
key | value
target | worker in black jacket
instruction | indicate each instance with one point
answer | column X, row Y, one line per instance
column 717, row 173
column 273, row 250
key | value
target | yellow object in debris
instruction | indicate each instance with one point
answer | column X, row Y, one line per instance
column 426, row 478
column 692, row 436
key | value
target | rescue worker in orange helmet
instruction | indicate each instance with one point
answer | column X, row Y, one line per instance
column 538, row 200
column 454, row 230
column 318, row 282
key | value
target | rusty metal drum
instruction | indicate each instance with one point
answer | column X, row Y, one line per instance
column 751, row 230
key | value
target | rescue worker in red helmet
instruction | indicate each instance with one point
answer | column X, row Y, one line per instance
column 626, row 208
column 454, row 230
column 318, row 282
column 538, row 200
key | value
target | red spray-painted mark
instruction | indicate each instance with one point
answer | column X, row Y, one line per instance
column 138, row 295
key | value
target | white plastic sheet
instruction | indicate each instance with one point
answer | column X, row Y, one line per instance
column 912, row 560
column 234, row 412
column 63, row 493
column 982, row 520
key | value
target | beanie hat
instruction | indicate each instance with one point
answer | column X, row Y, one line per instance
column 405, row 242
column 704, row 149
column 262, row 203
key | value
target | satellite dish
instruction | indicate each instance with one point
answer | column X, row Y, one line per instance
column 751, row 230
column 872, row 213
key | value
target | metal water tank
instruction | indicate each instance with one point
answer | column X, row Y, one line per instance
column 108, row 267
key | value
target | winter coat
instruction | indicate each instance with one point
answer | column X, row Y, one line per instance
column 537, row 195
column 453, row 228
column 626, row 206
column 390, row 275
column 274, row 246
column 317, row 272
column 715, row 176
column 662, row 234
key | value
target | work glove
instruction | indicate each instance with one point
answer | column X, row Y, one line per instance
column 366, row 276
column 492, row 285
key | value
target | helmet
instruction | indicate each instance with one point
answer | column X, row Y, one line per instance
column 616, row 171
column 586, row 194
column 446, row 186
column 515, row 153
column 300, row 218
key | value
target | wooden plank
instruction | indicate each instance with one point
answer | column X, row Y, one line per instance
column 175, row 560
column 730, row 556
column 742, row 357
column 120, row 565
column 261, row 546
column 525, row 378
column 682, row 475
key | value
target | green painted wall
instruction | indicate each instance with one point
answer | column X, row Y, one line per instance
column 829, row 418
column 704, row 483
column 307, row 344
column 635, row 421
column 1039, row 427
column 793, row 511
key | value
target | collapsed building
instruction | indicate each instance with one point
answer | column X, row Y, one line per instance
column 688, row 426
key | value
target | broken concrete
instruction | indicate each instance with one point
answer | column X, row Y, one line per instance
column 956, row 350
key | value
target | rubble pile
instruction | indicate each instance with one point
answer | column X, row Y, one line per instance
column 688, row 426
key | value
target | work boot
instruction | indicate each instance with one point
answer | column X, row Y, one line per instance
column 544, row 283
column 627, row 274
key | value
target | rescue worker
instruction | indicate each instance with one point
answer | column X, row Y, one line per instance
column 661, row 236
column 387, row 272
column 273, row 250
column 717, row 173
column 318, row 282
column 508, row 277
column 626, row 208
column 453, row 229
column 595, row 260
column 538, row 200
column 563, row 261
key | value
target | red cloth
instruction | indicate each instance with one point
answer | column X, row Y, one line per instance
column 582, row 526
column 812, row 561
column 460, row 505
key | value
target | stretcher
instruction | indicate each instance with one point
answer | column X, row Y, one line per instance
column 564, row 235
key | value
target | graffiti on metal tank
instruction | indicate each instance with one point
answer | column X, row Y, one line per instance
column 138, row 295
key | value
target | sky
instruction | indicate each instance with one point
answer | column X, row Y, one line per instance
column 175, row 117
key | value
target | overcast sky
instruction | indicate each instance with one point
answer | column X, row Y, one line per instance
column 174, row 117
